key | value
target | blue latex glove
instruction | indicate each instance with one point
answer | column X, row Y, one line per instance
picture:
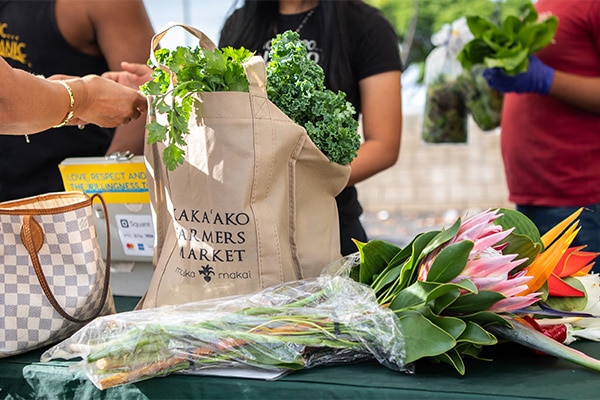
column 537, row 78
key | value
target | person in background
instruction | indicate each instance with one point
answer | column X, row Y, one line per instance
column 30, row 104
column 67, row 38
column 550, row 129
column 359, row 53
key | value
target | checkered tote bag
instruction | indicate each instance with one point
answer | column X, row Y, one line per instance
column 53, row 279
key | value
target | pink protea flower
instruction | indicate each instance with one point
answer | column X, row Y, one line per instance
column 486, row 266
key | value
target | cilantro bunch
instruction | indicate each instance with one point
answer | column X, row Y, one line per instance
column 509, row 45
column 196, row 70
column 295, row 84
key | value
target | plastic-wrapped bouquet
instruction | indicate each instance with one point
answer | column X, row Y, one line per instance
column 442, row 298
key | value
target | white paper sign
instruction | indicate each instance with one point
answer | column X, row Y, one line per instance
column 136, row 233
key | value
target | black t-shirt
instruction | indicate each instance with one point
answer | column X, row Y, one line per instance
column 31, row 41
column 372, row 48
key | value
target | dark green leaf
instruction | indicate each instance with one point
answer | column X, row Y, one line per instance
column 442, row 237
column 421, row 242
column 453, row 326
column 450, row 262
column 524, row 240
column 452, row 358
column 474, row 302
column 485, row 318
column 477, row 335
column 423, row 338
column 374, row 258
column 443, row 302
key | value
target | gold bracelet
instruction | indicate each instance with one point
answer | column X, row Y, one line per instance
column 69, row 116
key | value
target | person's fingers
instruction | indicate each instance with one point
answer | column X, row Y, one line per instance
column 112, row 75
column 141, row 104
column 137, row 69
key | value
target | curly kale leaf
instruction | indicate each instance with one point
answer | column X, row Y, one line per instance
column 295, row 84
column 196, row 70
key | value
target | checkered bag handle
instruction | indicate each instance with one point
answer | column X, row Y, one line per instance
column 32, row 236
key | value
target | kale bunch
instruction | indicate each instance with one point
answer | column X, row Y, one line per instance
column 296, row 85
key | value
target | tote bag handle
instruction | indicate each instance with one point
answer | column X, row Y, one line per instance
column 254, row 67
column 203, row 41
column 32, row 236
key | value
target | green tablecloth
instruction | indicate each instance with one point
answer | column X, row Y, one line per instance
column 515, row 372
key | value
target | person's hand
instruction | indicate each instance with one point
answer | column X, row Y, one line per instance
column 133, row 75
column 105, row 103
column 537, row 78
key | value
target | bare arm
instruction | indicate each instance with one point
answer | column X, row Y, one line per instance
column 580, row 91
column 119, row 31
column 97, row 100
column 381, row 98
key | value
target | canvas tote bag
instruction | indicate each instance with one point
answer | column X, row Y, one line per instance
column 252, row 206
column 53, row 279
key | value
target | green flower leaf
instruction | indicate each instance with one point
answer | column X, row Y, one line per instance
column 450, row 262
column 156, row 132
column 486, row 318
column 474, row 302
column 375, row 256
column 475, row 334
column 452, row 358
column 423, row 338
column 419, row 247
column 524, row 240
column 414, row 296
column 452, row 325
column 442, row 237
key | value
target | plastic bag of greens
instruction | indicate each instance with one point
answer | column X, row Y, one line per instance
column 296, row 325
column 482, row 102
column 445, row 114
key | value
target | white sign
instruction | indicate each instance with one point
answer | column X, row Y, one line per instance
column 136, row 233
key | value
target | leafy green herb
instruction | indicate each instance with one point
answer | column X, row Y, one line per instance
column 509, row 45
column 295, row 84
column 196, row 70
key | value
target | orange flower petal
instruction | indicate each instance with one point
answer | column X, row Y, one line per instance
column 573, row 261
column 553, row 233
column 585, row 270
column 543, row 265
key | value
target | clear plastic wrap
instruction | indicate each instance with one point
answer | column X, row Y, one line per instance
column 301, row 324
column 483, row 102
column 445, row 114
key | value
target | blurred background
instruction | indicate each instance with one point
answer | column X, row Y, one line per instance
column 431, row 184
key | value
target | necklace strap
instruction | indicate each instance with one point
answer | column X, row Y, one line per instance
column 306, row 18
